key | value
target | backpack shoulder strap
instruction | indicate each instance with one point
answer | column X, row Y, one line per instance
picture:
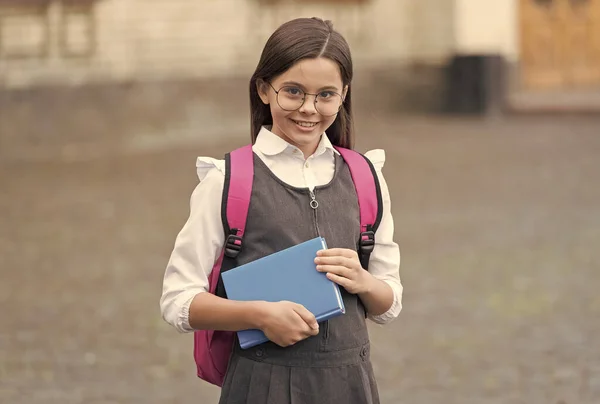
column 237, row 190
column 370, row 201
column 235, row 202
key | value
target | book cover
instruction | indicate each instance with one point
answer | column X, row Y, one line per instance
column 291, row 275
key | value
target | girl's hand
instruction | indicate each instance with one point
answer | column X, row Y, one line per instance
column 343, row 267
column 286, row 323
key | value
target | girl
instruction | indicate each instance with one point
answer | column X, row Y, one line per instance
column 300, row 98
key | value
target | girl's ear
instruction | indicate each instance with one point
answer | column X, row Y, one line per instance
column 263, row 91
column 344, row 92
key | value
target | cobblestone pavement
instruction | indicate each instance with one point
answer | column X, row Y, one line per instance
column 499, row 227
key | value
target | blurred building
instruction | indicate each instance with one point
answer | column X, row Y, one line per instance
column 557, row 42
column 408, row 53
column 75, row 41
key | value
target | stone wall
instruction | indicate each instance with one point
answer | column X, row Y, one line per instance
column 74, row 43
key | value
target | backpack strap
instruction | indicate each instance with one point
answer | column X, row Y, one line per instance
column 235, row 202
column 370, row 201
column 237, row 190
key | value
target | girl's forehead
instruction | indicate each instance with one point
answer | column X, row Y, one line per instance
column 313, row 73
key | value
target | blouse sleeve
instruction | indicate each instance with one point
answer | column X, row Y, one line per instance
column 197, row 246
column 384, row 263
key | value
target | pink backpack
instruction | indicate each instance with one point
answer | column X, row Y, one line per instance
column 213, row 348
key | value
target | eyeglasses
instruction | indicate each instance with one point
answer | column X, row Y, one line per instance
column 291, row 98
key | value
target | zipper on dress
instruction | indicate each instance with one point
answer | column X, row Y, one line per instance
column 314, row 204
column 326, row 331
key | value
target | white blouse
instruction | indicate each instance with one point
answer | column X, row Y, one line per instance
column 199, row 243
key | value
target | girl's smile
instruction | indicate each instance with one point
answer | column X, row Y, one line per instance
column 305, row 124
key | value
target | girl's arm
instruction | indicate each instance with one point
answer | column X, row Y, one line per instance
column 343, row 267
column 378, row 298
column 186, row 303
column 284, row 323
column 197, row 247
column 379, row 289
column 210, row 312
column 384, row 263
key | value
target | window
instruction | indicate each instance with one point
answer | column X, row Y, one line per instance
column 77, row 29
column 35, row 29
column 24, row 29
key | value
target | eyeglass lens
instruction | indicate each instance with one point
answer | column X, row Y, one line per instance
column 327, row 103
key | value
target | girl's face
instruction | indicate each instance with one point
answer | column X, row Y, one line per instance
column 303, row 127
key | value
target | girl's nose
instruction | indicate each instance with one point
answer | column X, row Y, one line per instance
column 309, row 106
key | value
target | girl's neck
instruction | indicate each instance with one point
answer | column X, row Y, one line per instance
column 308, row 150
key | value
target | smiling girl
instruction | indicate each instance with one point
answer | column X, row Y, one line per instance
column 300, row 98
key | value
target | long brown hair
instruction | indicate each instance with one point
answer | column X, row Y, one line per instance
column 298, row 39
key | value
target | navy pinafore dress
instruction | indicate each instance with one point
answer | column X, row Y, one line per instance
column 334, row 366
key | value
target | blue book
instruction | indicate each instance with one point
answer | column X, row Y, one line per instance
column 291, row 275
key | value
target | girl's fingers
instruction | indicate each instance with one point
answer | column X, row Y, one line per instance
column 335, row 260
column 340, row 280
column 307, row 316
column 342, row 252
column 336, row 270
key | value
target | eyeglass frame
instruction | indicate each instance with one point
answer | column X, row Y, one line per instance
column 304, row 99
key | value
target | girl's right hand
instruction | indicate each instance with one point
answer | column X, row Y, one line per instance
column 286, row 323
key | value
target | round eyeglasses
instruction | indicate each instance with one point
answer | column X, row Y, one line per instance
column 292, row 98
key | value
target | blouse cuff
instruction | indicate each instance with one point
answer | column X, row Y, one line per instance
column 183, row 321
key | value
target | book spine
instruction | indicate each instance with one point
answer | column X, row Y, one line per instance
column 338, row 294
column 328, row 315
column 336, row 289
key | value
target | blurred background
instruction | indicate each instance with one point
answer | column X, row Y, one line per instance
column 487, row 111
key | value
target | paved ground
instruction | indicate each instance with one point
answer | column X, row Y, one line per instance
column 499, row 226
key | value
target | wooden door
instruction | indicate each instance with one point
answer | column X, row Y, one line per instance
column 560, row 44
column 582, row 50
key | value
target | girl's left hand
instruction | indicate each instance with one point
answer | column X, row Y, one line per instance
column 343, row 267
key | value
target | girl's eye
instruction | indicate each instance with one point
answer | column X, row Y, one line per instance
column 293, row 91
column 326, row 94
